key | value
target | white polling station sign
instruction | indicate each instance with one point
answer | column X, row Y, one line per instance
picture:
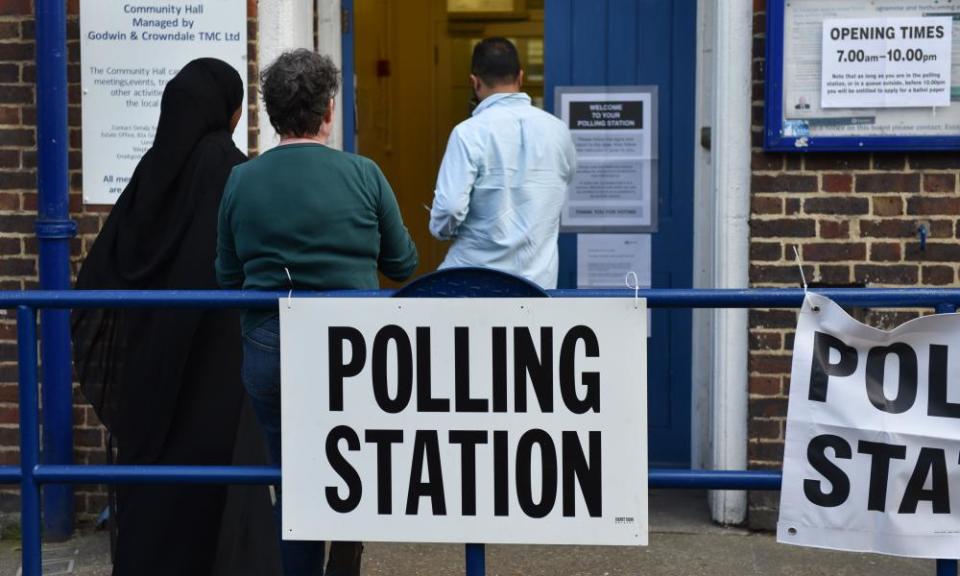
column 872, row 460
column 464, row 420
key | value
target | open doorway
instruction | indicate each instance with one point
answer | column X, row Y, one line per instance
column 412, row 66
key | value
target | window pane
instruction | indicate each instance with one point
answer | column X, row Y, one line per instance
column 481, row 5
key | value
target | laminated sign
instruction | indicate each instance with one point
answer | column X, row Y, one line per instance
column 872, row 459
column 464, row 420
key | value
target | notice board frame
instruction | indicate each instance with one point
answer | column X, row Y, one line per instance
column 773, row 138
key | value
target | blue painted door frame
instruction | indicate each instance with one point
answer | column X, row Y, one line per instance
column 628, row 42
column 644, row 42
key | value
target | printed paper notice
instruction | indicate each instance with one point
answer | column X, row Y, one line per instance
column 614, row 131
column 603, row 260
column 886, row 62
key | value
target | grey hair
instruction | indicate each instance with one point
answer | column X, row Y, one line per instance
column 297, row 88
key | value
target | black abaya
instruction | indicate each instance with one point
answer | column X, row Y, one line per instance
column 167, row 382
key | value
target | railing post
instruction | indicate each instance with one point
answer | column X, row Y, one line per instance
column 29, row 441
column 54, row 231
column 476, row 560
column 946, row 568
column 946, row 308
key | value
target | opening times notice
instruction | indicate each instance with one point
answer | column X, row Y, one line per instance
column 886, row 62
column 129, row 51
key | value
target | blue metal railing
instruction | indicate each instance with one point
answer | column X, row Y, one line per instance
column 31, row 473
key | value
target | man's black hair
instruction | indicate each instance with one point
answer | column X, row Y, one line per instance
column 495, row 62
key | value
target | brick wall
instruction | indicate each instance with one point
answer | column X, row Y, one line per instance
column 18, row 201
column 854, row 219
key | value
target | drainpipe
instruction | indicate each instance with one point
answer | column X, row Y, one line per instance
column 54, row 231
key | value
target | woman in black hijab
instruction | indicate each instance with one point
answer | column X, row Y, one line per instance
column 166, row 382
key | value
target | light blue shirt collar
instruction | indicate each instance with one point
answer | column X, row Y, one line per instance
column 509, row 98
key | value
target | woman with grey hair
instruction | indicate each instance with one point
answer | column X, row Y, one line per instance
column 306, row 214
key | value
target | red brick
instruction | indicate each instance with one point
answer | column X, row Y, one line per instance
column 17, row 137
column 767, row 451
column 17, row 223
column 766, row 251
column 788, row 274
column 9, row 158
column 890, row 182
column 765, row 385
column 933, row 252
column 9, row 30
column 18, row 267
column 9, row 115
column 9, row 73
column 938, row 275
column 9, row 246
column 897, row 275
column 770, row 429
column 791, row 206
column 837, row 182
column 766, row 341
column 833, row 161
column 15, row 94
column 17, row 180
column 772, row 319
column 16, row 51
column 887, row 205
column 933, row 206
column 832, row 275
column 941, row 229
column 889, row 162
column 763, row 162
column 935, row 161
column 766, row 205
column 885, row 252
column 783, row 183
column 834, row 230
column 836, row 205
column 939, row 182
column 769, row 364
column 768, row 407
column 16, row 7
column 888, row 228
column 834, row 252
column 28, row 30
column 783, row 228
column 89, row 437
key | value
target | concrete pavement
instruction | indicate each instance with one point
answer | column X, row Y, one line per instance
column 683, row 542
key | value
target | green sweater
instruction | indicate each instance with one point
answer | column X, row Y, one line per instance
column 330, row 217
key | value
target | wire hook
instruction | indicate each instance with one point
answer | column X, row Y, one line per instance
column 635, row 286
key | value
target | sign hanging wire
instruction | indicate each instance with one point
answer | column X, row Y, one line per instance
column 290, row 293
column 635, row 286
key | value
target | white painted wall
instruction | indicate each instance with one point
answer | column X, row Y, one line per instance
column 726, row 244
column 703, row 237
column 282, row 25
column 329, row 19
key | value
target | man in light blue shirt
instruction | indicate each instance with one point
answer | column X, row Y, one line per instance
column 504, row 176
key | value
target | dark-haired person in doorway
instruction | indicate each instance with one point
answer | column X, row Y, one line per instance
column 166, row 382
column 306, row 214
column 504, row 176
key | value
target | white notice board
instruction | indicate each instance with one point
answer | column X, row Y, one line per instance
column 465, row 420
column 863, row 75
column 128, row 52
